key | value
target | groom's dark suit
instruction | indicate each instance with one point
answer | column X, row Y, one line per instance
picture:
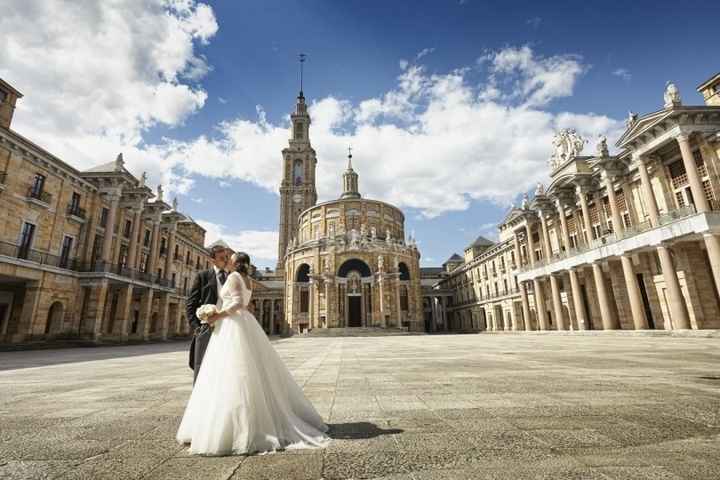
column 204, row 291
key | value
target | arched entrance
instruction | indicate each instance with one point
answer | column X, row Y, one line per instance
column 355, row 299
column 54, row 318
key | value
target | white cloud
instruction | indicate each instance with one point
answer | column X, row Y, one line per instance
column 434, row 143
column 534, row 22
column 623, row 73
column 97, row 75
column 424, row 52
column 533, row 79
column 260, row 245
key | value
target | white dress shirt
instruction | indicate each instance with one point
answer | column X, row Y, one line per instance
column 219, row 285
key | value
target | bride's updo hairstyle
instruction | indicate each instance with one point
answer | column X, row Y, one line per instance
column 241, row 262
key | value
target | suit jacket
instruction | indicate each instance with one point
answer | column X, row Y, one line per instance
column 204, row 291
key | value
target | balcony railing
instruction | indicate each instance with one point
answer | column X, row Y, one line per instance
column 76, row 211
column 36, row 256
column 611, row 238
column 75, row 264
column 40, row 195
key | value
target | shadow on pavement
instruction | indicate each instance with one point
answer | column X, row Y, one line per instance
column 358, row 430
column 46, row 357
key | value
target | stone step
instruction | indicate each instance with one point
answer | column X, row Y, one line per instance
column 357, row 332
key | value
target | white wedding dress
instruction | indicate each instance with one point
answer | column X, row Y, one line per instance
column 245, row 400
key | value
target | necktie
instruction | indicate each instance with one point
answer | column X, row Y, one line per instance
column 222, row 275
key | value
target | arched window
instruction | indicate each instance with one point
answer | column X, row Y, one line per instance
column 404, row 272
column 298, row 172
column 54, row 318
column 303, row 273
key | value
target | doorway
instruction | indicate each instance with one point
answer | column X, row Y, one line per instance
column 354, row 311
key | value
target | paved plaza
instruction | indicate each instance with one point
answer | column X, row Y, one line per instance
column 404, row 407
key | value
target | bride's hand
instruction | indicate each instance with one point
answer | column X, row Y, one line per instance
column 214, row 318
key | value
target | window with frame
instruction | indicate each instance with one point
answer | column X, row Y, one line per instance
column 65, row 251
column 26, row 239
column 128, row 228
column 146, row 238
column 75, row 202
column 38, row 185
column 3, row 96
column 104, row 217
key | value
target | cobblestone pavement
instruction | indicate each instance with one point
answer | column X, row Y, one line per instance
column 419, row 407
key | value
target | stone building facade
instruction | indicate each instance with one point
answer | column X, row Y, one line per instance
column 345, row 262
column 93, row 254
column 625, row 241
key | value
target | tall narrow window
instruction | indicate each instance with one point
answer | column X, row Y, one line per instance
column 65, row 252
column 38, row 185
column 128, row 228
column 75, row 203
column 26, row 239
column 104, row 217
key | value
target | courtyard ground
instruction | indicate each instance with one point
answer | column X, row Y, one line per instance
column 408, row 407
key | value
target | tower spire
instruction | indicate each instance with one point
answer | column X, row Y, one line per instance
column 350, row 180
column 302, row 58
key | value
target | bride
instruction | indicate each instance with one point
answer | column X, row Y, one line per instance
column 245, row 399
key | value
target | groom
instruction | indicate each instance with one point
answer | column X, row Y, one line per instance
column 205, row 290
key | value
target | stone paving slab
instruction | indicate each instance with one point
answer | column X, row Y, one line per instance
column 400, row 408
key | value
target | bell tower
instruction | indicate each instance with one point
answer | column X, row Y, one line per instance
column 297, row 189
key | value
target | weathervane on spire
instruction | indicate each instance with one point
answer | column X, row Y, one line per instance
column 349, row 157
column 302, row 60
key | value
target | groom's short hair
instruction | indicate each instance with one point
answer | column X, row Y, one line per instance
column 215, row 249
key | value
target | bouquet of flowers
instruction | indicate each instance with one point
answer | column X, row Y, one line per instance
column 205, row 312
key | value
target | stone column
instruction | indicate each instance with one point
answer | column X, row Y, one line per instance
column 636, row 305
column 110, row 228
column 586, row 216
column 272, row 317
column 518, row 259
column 134, row 239
column 647, row 190
column 545, row 236
column 530, row 246
column 170, row 254
column 540, row 304
column 618, row 228
column 565, row 235
column 712, row 243
column 29, row 310
column 678, row 309
column 698, row 193
column 154, row 246
column 146, row 307
column 178, row 318
column 513, row 317
column 311, row 305
column 557, row 303
column 123, row 313
column 397, row 302
column 525, row 307
column 578, row 302
column 163, row 316
column 603, row 298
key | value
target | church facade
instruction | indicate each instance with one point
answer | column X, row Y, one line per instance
column 344, row 262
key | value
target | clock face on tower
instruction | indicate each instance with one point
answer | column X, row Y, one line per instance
column 297, row 198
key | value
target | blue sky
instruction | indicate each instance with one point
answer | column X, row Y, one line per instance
column 458, row 98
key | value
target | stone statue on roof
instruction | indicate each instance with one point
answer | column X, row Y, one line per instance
column 175, row 204
column 602, row 147
column 567, row 144
column 672, row 95
column 143, row 179
column 631, row 120
column 159, row 193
